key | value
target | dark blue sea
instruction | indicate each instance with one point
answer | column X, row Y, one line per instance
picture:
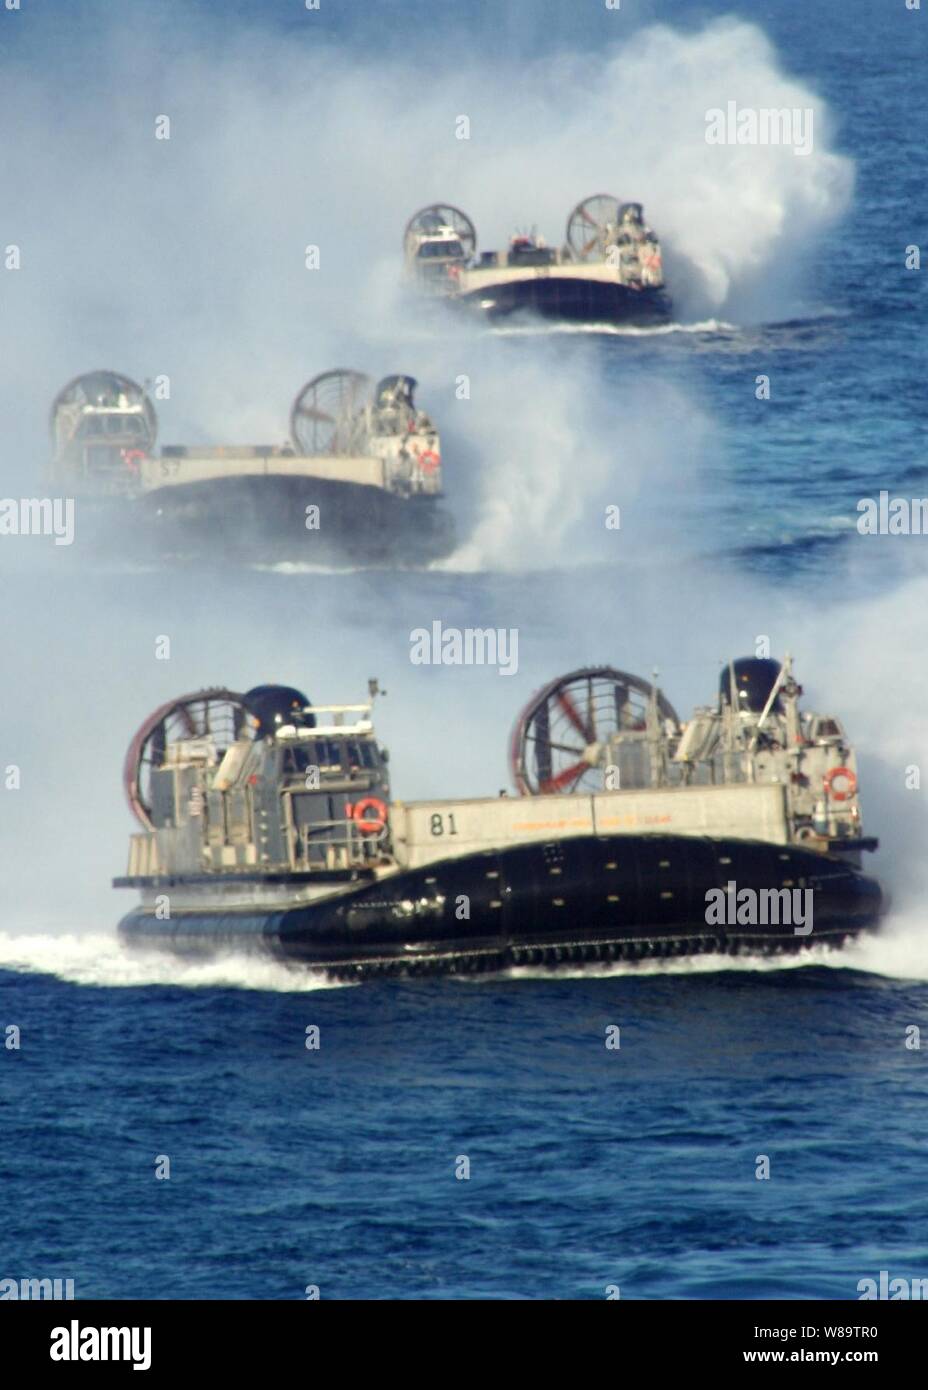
column 588, row 1168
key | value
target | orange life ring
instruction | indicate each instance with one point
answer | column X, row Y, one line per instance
column 832, row 776
column 130, row 458
column 429, row 461
column 379, row 822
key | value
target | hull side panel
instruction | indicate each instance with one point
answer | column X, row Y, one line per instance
column 590, row 897
column 584, row 301
column 266, row 518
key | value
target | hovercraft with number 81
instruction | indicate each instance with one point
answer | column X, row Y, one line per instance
column 267, row 825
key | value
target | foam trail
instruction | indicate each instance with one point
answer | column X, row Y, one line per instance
column 614, row 330
column 712, row 964
column 898, row 951
column 98, row 959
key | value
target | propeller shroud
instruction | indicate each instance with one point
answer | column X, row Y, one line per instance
column 554, row 742
column 440, row 214
column 324, row 415
column 586, row 225
column 215, row 712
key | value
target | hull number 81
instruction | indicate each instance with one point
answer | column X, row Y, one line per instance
column 443, row 825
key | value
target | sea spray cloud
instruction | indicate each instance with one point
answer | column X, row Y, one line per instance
column 198, row 267
column 552, row 440
column 198, row 270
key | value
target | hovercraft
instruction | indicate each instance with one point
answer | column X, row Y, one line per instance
column 609, row 270
column 359, row 479
column 267, row 824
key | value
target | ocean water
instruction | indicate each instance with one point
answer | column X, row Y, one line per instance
column 589, row 1167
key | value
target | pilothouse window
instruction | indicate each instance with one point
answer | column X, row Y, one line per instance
column 432, row 250
column 330, row 755
column 324, row 753
column 360, row 754
column 96, row 425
